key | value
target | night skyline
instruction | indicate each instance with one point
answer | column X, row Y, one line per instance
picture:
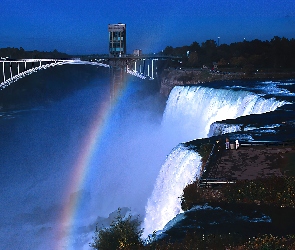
column 76, row 27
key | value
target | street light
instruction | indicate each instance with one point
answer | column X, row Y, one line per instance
column 218, row 40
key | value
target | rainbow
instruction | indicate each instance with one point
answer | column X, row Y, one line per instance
column 82, row 166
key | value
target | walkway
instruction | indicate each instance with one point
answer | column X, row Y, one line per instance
column 249, row 162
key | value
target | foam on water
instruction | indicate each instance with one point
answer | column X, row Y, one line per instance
column 189, row 113
column 191, row 110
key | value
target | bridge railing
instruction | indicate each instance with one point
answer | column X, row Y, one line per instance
column 13, row 70
column 14, row 76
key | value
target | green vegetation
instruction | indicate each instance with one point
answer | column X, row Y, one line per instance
column 230, row 242
column 15, row 53
column 123, row 233
column 268, row 242
column 273, row 191
column 264, row 193
column 278, row 54
column 194, row 241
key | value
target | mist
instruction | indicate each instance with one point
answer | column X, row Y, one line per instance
column 46, row 126
column 42, row 139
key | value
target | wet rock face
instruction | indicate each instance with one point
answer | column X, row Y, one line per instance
column 174, row 77
column 179, row 77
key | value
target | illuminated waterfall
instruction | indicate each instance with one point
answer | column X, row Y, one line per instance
column 189, row 112
column 182, row 166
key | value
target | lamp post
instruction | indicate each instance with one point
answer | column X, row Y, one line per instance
column 218, row 41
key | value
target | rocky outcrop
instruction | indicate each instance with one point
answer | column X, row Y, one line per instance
column 175, row 77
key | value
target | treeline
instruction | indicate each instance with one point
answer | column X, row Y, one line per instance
column 15, row 53
column 278, row 54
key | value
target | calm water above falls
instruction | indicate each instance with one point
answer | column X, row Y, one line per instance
column 69, row 158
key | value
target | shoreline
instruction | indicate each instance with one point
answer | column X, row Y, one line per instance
column 183, row 77
column 271, row 159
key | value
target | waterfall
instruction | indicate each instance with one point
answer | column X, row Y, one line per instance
column 189, row 113
column 190, row 110
column 182, row 166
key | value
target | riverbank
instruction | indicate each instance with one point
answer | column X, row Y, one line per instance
column 172, row 77
column 251, row 161
column 235, row 215
column 251, row 217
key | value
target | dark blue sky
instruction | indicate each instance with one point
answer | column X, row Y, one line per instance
column 80, row 27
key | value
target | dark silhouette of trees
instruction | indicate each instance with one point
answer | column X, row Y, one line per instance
column 277, row 54
column 15, row 53
column 168, row 50
column 208, row 52
column 193, row 58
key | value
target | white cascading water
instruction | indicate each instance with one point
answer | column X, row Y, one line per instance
column 223, row 128
column 181, row 167
column 189, row 112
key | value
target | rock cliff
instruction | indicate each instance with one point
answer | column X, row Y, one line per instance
column 172, row 77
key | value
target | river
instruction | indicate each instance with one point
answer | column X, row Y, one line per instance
column 69, row 155
column 74, row 149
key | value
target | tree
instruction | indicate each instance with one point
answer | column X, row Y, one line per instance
column 193, row 59
column 123, row 233
column 195, row 46
column 168, row 51
column 209, row 49
column 238, row 61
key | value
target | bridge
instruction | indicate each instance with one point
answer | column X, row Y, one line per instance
column 13, row 70
column 142, row 67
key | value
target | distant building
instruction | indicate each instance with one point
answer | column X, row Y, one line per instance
column 117, row 39
column 137, row 52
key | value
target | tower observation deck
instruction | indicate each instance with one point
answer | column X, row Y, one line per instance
column 117, row 39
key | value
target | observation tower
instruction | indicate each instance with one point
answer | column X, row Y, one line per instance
column 117, row 40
